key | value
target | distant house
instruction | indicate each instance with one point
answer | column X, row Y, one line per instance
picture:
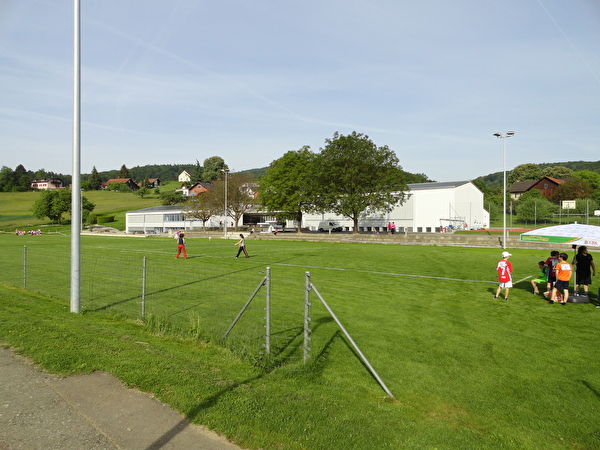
column 47, row 184
column 194, row 189
column 519, row 188
column 547, row 186
column 128, row 181
column 184, row 177
column 153, row 183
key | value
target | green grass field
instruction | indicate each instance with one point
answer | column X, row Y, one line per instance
column 466, row 371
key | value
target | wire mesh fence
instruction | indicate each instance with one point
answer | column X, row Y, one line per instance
column 173, row 297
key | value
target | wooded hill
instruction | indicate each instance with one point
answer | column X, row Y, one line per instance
column 494, row 180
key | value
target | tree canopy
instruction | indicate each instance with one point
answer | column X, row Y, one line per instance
column 285, row 187
column 353, row 177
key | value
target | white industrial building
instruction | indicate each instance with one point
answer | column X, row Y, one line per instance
column 429, row 208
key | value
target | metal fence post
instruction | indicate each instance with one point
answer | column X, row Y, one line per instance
column 144, row 287
column 307, row 330
column 24, row 267
column 268, row 314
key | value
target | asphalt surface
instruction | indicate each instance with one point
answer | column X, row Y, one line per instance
column 96, row 411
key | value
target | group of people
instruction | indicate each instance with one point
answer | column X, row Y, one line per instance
column 30, row 232
column 180, row 238
column 555, row 274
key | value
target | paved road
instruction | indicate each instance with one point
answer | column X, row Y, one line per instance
column 95, row 411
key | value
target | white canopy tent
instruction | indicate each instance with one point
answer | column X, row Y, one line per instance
column 574, row 234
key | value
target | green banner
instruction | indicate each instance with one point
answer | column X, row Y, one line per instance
column 549, row 239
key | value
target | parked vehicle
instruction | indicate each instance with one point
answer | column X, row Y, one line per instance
column 330, row 225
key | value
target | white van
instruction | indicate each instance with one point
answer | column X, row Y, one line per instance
column 329, row 225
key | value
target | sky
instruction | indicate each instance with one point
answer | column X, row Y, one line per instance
column 179, row 81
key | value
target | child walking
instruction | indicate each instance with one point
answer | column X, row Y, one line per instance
column 504, row 268
column 181, row 246
column 242, row 246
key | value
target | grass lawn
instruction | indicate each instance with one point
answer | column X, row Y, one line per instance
column 466, row 371
column 15, row 207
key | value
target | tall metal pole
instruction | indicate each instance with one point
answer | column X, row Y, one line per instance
column 225, row 212
column 504, row 197
column 504, row 137
column 76, row 179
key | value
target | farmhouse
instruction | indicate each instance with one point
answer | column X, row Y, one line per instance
column 547, row 186
column 47, row 184
column 128, row 181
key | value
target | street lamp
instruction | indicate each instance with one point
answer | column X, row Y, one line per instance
column 504, row 137
column 226, row 172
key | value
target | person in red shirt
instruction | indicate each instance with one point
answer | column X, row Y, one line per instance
column 563, row 275
column 504, row 268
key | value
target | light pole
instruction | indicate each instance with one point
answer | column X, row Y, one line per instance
column 226, row 172
column 504, row 137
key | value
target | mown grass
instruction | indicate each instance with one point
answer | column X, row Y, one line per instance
column 467, row 371
column 15, row 207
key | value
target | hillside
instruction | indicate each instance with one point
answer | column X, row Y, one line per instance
column 494, row 180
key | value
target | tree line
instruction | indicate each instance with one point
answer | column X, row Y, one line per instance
column 582, row 185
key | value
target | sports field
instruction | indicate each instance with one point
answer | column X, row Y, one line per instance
column 466, row 371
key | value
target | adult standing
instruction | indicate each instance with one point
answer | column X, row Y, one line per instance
column 504, row 269
column 242, row 246
column 181, row 246
column 584, row 269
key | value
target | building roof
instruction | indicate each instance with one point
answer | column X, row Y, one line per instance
column 159, row 209
column 521, row 186
column 436, row 185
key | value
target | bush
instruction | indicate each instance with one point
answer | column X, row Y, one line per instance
column 105, row 219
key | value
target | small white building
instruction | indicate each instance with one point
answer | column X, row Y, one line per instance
column 166, row 219
column 184, row 177
column 430, row 207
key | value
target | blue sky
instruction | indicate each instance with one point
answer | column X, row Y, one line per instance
column 175, row 81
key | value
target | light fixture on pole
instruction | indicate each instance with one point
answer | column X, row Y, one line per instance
column 504, row 137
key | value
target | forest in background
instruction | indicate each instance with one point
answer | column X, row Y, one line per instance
column 20, row 178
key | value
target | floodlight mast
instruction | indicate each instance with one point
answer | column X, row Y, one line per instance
column 225, row 220
column 504, row 137
column 76, row 201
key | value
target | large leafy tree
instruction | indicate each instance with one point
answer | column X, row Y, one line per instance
column 525, row 172
column 54, row 204
column 558, row 172
column 533, row 206
column 353, row 177
column 213, row 168
column 285, row 189
column 571, row 190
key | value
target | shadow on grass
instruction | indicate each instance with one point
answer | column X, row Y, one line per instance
column 175, row 287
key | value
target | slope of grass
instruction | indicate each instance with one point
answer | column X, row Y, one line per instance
column 467, row 371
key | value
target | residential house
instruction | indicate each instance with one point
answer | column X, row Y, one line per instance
column 153, row 183
column 47, row 184
column 547, row 186
column 128, row 181
column 184, row 177
column 194, row 189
